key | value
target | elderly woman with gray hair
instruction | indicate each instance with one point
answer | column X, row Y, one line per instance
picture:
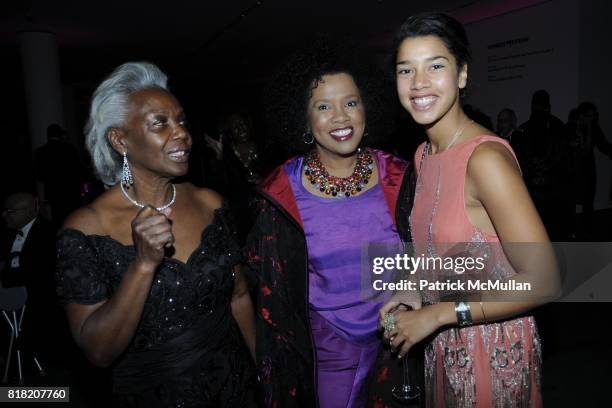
column 148, row 272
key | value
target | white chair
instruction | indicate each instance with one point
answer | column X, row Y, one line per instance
column 13, row 305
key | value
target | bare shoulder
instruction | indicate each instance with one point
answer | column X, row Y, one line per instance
column 493, row 173
column 491, row 156
column 85, row 219
column 488, row 155
column 205, row 197
column 90, row 219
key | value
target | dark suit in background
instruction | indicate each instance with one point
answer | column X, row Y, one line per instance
column 44, row 327
column 43, row 321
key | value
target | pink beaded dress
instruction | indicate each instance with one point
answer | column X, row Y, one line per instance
column 484, row 365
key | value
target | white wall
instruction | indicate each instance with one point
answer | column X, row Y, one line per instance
column 539, row 51
column 559, row 45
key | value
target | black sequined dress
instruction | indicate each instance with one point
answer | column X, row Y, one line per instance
column 187, row 350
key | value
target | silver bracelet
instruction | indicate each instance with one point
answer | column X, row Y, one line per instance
column 464, row 315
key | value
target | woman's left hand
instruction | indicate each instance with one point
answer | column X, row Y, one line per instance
column 215, row 145
column 401, row 300
column 411, row 327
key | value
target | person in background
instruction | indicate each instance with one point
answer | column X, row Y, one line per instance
column 542, row 148
column 586, row 135
column 59, row 170
column 28, row 257
column 239, row 166
column 506, row 124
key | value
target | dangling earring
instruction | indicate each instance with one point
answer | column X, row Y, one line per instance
column 365, row 134
column 126, row 175
column 308, row 138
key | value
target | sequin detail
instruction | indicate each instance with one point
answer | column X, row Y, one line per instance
column 487, row 365
column 90, row 269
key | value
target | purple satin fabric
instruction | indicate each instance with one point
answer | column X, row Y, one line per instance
column 335, row 231
column 343, row 368
column 344, row 325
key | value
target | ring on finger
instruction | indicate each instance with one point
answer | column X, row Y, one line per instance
column 388, row 322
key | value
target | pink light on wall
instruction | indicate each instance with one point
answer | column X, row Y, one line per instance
column 482, row 10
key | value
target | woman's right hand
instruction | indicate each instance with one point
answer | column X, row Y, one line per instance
column 151, row 233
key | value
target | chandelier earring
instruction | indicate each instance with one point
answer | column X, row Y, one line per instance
column 308, row 138
column 126, row 175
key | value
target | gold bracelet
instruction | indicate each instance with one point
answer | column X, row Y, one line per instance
column 484, row 317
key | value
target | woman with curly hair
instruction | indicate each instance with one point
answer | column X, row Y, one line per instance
column 316, row 337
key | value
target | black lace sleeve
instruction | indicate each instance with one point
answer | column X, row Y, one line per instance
column 80, row 279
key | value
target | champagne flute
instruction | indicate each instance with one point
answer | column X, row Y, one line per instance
column 406, row 392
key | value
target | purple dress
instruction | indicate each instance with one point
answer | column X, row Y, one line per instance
column 344, row 326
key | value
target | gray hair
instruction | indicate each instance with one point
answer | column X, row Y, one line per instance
column 109, row 109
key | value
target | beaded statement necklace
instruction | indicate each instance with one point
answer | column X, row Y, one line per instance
column 339, row 186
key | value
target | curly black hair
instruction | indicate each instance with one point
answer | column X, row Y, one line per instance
column 287, row 95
